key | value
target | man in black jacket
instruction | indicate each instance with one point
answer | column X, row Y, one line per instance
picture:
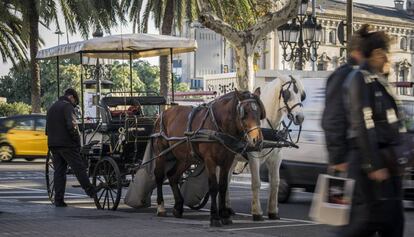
column 64, row 143
column 373, row 133
column 334, row 121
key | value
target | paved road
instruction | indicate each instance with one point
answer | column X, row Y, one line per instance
column 26, row 211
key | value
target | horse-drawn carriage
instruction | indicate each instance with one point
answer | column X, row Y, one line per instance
column 114, row 141
column 114, row 144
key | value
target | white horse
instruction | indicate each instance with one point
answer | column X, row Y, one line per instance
column 281, row 97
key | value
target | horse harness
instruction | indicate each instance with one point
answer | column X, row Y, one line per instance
column 286, row 95
column 201, row 134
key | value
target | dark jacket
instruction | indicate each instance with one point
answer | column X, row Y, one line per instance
column 373, row 117
column 61, row 126
column 334, row 122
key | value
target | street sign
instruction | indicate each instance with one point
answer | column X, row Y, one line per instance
column 341, row 32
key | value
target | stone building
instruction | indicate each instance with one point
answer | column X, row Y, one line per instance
column 396, row 21
column 215, row 56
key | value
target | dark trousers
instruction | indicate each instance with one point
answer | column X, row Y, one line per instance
column 62, row 157
column 377, row 207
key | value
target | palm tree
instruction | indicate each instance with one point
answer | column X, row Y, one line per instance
column 165, row 13
column 79, row 15
column 12, row 44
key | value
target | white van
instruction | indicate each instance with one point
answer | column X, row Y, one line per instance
column 300, row 167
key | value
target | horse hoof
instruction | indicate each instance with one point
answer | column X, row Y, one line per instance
column 274, row 216
column 177, row 213
column 258, row 218
column 215, row 223
column 226, row 221
column 162, row 214
column 231, row 211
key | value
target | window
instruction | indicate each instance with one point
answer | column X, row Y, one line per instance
column 323, row 36
column 40, row 124
column 403, row 43
column 403, row 76
column 27, row 124
column 332, row 37
column 412, row 44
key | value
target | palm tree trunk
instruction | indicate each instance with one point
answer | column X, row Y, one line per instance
column 33, row 17
column 165, row 62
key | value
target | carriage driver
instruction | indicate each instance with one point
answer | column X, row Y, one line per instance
column 64, row 144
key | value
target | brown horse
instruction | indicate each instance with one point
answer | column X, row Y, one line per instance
column 237, row 114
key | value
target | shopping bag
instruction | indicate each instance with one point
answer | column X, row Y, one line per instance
column 332, row 200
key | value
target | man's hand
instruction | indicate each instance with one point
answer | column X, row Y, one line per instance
column 340, row 167
column 379, row 175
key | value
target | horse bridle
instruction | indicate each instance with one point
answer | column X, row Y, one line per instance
column 241, row 115
column 285, row 95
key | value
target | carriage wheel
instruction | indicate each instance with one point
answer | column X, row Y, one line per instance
column 49, row 173
column 107, row 178
column 202, row 203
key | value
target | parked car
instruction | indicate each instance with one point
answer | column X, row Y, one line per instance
column 23, row 136
column 301, row 167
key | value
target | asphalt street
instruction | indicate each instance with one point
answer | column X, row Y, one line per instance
column 26, row 211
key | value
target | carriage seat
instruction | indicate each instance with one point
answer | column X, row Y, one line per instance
column 133, row 110
column 115, row 118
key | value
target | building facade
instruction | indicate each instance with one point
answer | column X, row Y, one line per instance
column 397, row 21
column 215, row 56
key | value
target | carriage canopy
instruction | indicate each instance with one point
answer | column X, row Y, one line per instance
column 115, row 46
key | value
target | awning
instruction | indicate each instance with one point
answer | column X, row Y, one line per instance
column 121, row 46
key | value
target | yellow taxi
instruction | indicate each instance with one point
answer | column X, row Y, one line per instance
column 23, row 136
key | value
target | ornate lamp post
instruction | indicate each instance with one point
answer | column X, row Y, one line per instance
column 300, row 38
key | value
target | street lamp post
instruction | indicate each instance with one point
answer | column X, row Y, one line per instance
column 300, row 38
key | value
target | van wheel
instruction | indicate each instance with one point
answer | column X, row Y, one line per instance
column 6, row 153
column 284, row 189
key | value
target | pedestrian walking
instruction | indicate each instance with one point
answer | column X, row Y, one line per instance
column 64, row 144
column 373, row 132
column 334, row 121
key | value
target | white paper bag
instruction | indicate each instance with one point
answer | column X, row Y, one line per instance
column 332, row 200
column 141, row 187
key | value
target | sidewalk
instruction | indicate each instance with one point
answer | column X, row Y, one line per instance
column 27, row 219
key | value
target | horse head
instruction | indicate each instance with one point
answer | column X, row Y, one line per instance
column 250, row 111
column 291, row 96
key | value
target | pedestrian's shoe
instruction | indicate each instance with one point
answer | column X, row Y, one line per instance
column 60, row 204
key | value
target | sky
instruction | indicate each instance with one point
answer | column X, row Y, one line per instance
column 51, row 39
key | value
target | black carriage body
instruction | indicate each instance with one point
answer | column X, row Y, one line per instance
column 125, row 132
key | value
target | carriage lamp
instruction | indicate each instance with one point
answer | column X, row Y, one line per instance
column 300, row 37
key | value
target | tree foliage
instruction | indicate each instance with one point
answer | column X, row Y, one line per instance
column 16, row 84
column 16, row 108
column 12, row 42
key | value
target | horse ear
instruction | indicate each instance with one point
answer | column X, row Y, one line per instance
column 257, row 92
